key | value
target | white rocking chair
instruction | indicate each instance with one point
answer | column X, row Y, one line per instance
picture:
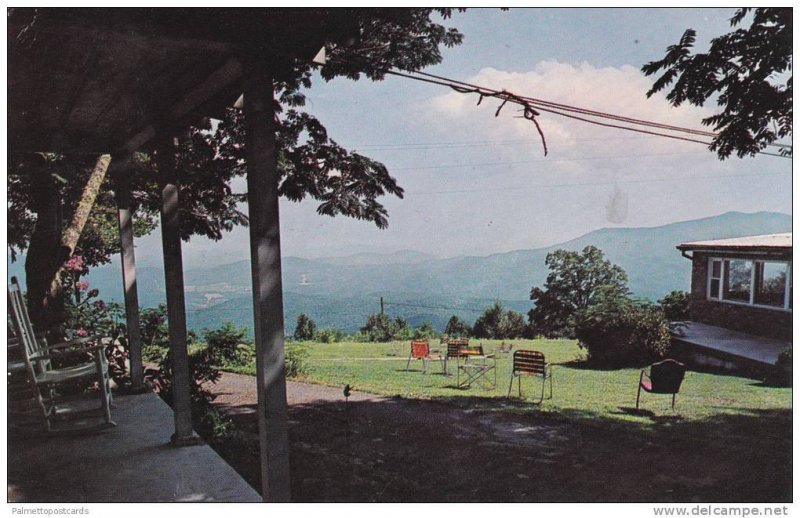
column 43, row 378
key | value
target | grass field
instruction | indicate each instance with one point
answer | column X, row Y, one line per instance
column 729, row 438
column 577, row 390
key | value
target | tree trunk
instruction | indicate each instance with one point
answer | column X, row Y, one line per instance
column 73, row 232
column 50, row 247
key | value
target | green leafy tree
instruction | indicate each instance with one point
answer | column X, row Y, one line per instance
column 305, row 329
column 574, row 281
column 310, row 163
column 425, row 330
column 382, row 328
column 747, row 71
column 496, row 322
column 457, row 328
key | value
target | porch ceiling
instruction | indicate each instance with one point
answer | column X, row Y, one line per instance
column 105, row 80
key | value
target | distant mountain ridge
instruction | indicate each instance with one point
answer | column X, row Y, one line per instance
column 342, row 291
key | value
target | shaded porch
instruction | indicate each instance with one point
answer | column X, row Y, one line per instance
column 132, row 462
column 727, row 348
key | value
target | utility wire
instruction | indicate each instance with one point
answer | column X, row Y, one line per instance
column 540, row 103
column 532, row 107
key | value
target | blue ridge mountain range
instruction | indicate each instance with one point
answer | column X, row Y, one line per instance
column 341, row 292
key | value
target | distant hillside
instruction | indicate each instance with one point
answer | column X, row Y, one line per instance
column 341, row 292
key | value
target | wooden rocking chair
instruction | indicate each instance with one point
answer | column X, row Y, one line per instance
column 44, row 379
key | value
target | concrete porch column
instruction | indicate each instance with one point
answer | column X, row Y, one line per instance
column 265, row 256
column 176, row 305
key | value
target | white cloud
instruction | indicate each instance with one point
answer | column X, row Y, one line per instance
column 620, row 91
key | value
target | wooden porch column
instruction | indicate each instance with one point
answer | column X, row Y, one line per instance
column 176, row 305
column 265, row 257
column 122, row 194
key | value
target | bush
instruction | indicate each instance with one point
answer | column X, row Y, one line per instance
column 296, row 360
column 328, row 335
column 619, row 332
column 781, row 375
column 226, row 345
column 675, row 305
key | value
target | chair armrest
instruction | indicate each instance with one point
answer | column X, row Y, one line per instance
column 72, row 343
column 56, row 355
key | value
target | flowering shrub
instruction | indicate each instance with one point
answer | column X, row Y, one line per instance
column 86, row 315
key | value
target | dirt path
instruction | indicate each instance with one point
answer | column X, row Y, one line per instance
column 385, row 449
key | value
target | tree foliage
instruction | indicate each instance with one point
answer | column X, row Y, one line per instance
column 382, row 328
column 574, row 282
column 747, row 71
column 496, row 322
column 305, row 329
column 457, row 328
column 310, row 163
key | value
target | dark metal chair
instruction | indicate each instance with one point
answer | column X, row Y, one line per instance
column 665, row 377
column 530, row 363
column 421, row 350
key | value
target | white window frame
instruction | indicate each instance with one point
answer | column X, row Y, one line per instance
column 711, row 261
column 751, row 303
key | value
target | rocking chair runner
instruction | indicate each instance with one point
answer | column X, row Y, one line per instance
column 665, row 377
column 43, row 378
column 530, row 363
column 421, row 350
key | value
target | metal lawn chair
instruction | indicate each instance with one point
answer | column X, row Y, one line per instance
column 530, row 363
column 44, row 378
column 476, row 366
column 421, row 350
column 454, row 347
column 665, row 377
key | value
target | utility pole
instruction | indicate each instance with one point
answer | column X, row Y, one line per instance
column 381, row 306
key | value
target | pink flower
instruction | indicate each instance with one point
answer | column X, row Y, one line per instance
column 82, row 285
column 75, row 263
column 82, row 332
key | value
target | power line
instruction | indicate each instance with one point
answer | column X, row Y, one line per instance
column 532, row 106
column 543, row 105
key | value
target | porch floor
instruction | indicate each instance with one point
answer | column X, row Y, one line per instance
column 732, row 343
column 132, row 462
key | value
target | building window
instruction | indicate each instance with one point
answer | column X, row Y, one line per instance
column 715, row 279
column 743, row 281
column 736, row 283
column 770, row 284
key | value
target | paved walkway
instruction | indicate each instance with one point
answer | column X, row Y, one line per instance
column 132, row 462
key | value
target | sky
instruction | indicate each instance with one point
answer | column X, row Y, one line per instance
column 476, row 184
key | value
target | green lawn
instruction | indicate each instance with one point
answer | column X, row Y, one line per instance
column 577, row 390
column 729, row 438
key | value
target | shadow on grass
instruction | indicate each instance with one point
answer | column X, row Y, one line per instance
column 375, row 450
